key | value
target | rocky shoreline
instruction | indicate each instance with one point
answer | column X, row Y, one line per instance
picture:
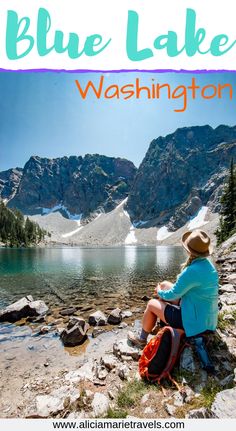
column 99, row 377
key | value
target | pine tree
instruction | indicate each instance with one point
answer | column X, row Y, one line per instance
column 15, row 231
column 228, row 210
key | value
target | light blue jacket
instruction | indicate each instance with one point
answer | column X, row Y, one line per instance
column 197, row 286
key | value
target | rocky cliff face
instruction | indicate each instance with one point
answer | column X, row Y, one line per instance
column 9, row 182
column 76, row 185
column 180, row 173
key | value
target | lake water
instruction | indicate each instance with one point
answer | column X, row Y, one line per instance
column 86, row 277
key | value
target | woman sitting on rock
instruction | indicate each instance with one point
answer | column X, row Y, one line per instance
column 192, row 302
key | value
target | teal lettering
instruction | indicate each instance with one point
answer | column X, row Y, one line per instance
column 132, row 40
column 13, row 37
column 60, row 46
column 193, row 38
column 170, row 43
column 43, row 28
column 217, row 42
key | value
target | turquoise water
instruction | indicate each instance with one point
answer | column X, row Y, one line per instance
column 65, row 276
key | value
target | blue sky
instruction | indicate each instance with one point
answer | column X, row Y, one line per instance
column 42, row 114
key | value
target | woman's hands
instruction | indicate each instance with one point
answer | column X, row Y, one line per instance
column 164, row 285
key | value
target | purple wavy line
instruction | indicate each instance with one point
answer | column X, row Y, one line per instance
column 119, row 70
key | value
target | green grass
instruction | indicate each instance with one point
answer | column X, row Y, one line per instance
column 209, row 392
column 116, row 414
column 131, row 394
column 234, row 314
column 222, row 324
column 180, row 374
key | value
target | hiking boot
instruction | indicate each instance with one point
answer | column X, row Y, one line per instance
column 136, row 341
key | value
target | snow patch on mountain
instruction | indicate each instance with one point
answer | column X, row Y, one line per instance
column 163, row 233
column 76, row 217
column 199, row 219
column 131, row 238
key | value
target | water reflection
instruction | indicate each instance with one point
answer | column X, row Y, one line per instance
column 85, row 274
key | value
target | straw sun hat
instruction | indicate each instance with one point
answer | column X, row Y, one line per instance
column 198, row 243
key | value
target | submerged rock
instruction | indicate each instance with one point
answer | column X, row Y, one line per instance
column 25, row 307
column 75, row 333
column 68, row 311
column 97, row 319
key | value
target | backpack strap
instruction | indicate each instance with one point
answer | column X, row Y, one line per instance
column 176, row 335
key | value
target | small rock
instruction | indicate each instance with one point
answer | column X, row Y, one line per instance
column 75, row 335
column 100, row 405
column 85, row 372
column 229, row 288
column 224, row 405
column 121, row 348
column 123, row 372
column 97, row 331
column 145, row 398
column 126, row 358
column 101, row 372
column 187, row 360
column 148, row 411
column 170, row 409
column 123, row 325
column 109, row 362
column 137, row 310
column 68, row 311
column 97, row 319
column 228, row 299
column 126, row 314
column 44, row 330
column 115, row 317
column 201, row 413
column 178, row 399
column 227, row 380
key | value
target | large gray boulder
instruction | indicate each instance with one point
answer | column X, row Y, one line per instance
column 25, row 307
column 224, row 405
column 75, row 333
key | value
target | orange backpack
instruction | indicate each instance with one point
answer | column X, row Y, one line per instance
column 160, row 355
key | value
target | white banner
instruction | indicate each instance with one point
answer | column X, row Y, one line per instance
column 114, row 35
column 122, row 424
